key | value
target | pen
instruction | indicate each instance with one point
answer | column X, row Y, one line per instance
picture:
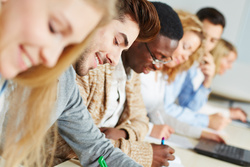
column 102, row 162
column 162, row 140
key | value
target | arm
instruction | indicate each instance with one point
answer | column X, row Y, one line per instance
column 181, row 113
column 178, row 126
column 193, row 94
column 139, row 151
column 77, row 128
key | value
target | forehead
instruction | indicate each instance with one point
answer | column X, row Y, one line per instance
column 125, row 26
column 191, row 38
column 231, row 55
column 212, row 30
column 164, row 45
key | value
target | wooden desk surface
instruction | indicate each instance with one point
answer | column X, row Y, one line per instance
column 237, row 136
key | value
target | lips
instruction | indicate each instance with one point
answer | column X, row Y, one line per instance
column 25, row 60
column 177, row 61
column 97, row 57
column 146, row 70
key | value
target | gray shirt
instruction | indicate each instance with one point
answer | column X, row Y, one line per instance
column 78, row 129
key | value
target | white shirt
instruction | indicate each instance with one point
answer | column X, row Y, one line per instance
column 153, row 89
column 3, row 85
column 117, row 97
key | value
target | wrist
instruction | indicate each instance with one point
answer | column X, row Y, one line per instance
column 207, row 82
column 124, row 133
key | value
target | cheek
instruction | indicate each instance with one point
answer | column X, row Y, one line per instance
column 223, row 66
column 172, row 64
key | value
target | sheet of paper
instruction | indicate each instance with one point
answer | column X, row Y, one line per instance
column 70, row 163
column 176, row 162
column 173, row 140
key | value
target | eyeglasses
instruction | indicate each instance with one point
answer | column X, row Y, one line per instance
column 162, row 60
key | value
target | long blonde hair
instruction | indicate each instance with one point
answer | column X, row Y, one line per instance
column 32, row 101
column 189, row 22
column 222, row 49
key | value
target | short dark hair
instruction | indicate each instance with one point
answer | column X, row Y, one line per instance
column 212, row 15
column 144, row 13
column 171, row 26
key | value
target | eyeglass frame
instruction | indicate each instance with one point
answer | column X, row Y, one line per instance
column 155, row 60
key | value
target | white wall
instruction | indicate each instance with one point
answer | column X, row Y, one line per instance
column 237, row 14
column 237, row 31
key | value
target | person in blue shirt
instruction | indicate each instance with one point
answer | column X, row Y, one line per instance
column 191, row 88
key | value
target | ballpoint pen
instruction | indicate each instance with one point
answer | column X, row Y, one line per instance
column 102, row 162
column 162, row 140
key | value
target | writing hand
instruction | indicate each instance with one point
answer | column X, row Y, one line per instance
column 160, row 131
column 161, row 155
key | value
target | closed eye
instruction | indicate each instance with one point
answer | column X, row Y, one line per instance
column 51, row 27
column 116, row 42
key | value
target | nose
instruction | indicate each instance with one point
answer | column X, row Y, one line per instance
column 185, row 56
column 157, row 66
column 50, row 56
column 114, row 57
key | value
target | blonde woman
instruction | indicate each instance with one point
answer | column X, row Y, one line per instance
column 33, row 35
column 224, row 55
column 154, row 84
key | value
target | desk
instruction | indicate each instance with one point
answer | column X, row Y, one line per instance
column 237, row 136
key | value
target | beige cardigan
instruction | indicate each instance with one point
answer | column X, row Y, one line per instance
column 94, row 89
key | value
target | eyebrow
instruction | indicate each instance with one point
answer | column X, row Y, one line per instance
column 125, row 39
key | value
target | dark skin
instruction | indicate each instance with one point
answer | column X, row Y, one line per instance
column 139, row 59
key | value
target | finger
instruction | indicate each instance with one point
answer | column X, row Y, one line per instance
column 170, row 157
column 208, row 59
column 165, row 163
column 222, row 140
column 171, row 130
column 103, row 129
column 170, row 149
column 243, row 118
column 244, row 113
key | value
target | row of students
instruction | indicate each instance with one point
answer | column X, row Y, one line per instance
column 174, row 95
column 111, row 94
column 113, row 97
column 169, row 82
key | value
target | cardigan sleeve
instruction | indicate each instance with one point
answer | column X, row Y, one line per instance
column 134, row 117
column 140, row 151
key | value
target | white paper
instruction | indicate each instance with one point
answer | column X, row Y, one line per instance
column 173, row 140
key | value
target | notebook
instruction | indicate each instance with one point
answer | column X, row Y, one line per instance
column 223, row 152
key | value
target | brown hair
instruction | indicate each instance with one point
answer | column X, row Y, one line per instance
column 145, row 14
column 222, row 49
column 190, row 22
column 33, row 99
